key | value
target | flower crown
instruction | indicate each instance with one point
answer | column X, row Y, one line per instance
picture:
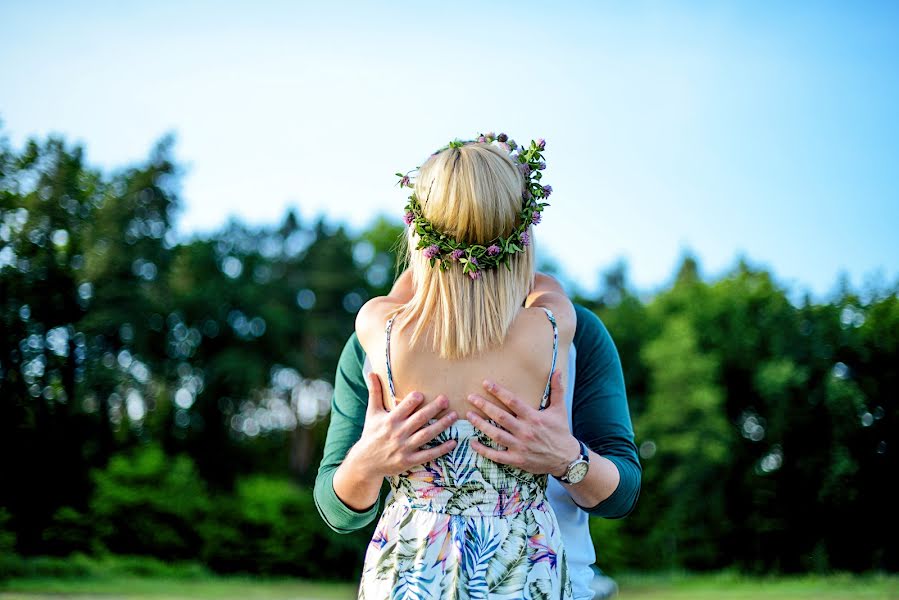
column 476, row 258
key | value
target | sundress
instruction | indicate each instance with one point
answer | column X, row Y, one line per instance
column 465, row 527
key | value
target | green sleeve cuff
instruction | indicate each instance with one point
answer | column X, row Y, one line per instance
column 624, row 499
column 337, row 515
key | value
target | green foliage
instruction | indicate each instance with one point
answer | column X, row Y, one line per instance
column 688, row 437
column 261, row 527
column 388, row 243
column 78, row 566
column 613, row 550
column 765, row 427
column 164, row 397
column 7, row 535
column 113, row 334
column 271, row 526
column 148, row 503
column 70, row 531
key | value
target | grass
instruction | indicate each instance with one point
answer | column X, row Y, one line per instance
column 673, row 586
column 733, row 586
column 145, row 588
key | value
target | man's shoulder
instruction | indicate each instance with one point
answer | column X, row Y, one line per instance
column 353, row 354
column 350, row 388
column 590, row 330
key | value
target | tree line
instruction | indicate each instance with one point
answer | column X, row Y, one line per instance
column 169, row 397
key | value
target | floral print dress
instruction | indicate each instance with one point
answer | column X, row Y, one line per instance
column 464, row 527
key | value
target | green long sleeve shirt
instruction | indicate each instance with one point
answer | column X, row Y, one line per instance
column 600, row 418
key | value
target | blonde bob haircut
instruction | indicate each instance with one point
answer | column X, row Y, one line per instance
column 473, row 194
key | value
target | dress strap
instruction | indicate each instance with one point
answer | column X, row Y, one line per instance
column 552, row 319
column 387, row 354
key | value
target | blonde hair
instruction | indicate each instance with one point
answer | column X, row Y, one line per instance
column 473, row 194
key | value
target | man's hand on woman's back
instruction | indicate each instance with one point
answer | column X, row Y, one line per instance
column 390, row 444
column 536, row 441
column 391, row 440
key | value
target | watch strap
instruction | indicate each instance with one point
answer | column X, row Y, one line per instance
column 584, row 457
column 585, row 453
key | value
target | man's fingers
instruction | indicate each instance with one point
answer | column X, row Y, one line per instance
column 423, row 436
column 500, row 436
column 491, row 453
column 411, row 423
column 407, row 406
column 506, row 397
column 506, row 419
column 430, row 454
column 556, row 389
column 375, row 398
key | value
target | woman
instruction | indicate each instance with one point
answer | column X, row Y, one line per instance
column 470, row 305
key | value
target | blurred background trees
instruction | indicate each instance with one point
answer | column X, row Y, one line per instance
column 169, row 398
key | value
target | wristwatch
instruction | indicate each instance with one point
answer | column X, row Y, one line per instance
column 577, row 470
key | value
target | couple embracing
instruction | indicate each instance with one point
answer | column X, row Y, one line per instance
column 494, row 407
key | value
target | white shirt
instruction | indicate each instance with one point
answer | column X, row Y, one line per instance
column 573, row 521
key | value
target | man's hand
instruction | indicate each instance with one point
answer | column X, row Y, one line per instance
column 536, row 441
column 391, row 441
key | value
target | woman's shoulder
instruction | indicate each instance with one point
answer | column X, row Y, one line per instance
column 563, row 314
column 372, row 318
column 548, row 294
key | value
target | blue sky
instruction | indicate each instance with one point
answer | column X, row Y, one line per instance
column 763, row 129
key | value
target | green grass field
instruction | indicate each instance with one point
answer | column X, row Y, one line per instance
column 637, row 587
column 736, row 587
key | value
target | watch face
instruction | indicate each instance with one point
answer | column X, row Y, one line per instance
column 577, row 472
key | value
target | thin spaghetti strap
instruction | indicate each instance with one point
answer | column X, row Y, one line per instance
column 552, row 319
column 387, row 354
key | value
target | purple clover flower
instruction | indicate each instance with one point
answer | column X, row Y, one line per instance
column 541, row 144
column 525, row 238
column 490, row 136
column 405, row 181
column 474, row 261
column 431, row 251
column 482, row 139
column 493, row 249
column 541, row 165
column 408, row 217
column 502, row 137
column 525, row 169
column 547, row 190
column 474, row 274
column 526, row 194
column 457, row 254
column 535, row 218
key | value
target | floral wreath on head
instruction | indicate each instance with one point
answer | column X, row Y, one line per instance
column 476, row 258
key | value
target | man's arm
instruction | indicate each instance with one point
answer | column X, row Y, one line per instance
column 348, row 406
column 600, row 414
column 366, row 443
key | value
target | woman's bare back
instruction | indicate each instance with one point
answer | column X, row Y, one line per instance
column 521, row 363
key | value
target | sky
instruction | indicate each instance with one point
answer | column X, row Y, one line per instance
column 762, row 130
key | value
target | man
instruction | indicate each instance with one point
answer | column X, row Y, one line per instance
column 366, row 443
